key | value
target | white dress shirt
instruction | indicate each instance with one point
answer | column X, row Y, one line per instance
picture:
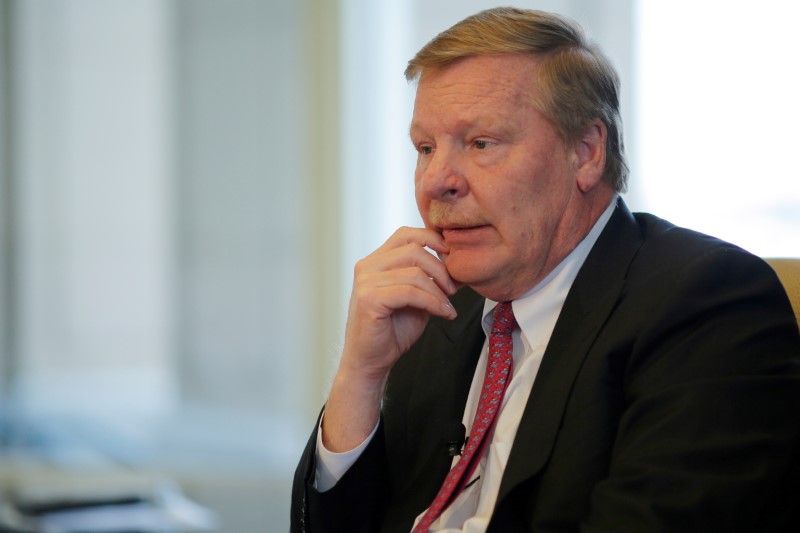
column 536, row 313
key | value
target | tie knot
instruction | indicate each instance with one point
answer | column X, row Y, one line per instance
column 503, row 318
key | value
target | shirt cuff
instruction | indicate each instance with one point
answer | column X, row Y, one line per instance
column 331, row 466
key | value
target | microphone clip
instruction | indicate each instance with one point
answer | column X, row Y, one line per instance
column 455, row 439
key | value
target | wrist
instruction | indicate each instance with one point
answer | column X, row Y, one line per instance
column 351, row 412
column 366, row 388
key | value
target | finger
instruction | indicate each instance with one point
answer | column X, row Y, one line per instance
column 397, row 297
column 409, row 256
column 405, row 276
column 427, row 238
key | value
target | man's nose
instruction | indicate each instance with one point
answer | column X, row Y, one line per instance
column 442, row 177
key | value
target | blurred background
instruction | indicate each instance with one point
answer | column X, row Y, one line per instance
column 185, row 186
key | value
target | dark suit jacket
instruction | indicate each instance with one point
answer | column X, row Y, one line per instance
column 668, row 399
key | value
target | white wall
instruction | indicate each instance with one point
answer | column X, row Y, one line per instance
column 244, row 203
column 167, row 252
column 92, row 192
column 164, row 218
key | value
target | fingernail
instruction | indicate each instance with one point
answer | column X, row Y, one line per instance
column 450, row 310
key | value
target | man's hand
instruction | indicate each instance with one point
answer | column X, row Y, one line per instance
column 395, row 290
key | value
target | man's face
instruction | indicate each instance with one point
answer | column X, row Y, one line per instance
column 493, row 176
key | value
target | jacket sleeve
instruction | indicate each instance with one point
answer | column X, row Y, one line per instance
column 355, row 504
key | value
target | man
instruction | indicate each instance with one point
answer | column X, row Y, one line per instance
column 613, row 372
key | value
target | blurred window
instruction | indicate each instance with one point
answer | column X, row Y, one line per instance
column 717, row 120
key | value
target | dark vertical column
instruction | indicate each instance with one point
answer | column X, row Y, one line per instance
column 7, row 209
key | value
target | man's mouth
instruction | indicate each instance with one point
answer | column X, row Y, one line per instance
column 444, row 229
column 459, row 234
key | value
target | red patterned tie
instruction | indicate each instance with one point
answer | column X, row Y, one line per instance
column 498, row 374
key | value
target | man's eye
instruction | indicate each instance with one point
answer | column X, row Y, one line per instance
column 480, row 144
column 426, row 150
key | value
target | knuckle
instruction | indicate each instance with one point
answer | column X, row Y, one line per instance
column 360, row 293
column 407, row 291
column 401, row 233
column 412, row 248
column 361, row 268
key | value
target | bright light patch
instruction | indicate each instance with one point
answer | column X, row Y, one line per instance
column 718, row 119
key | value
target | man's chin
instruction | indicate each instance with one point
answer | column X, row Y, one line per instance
column 461, row 270
column 479, row 277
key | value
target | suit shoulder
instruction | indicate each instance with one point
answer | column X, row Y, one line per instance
column 661, row 235
column 665, row 243
column 669, row 251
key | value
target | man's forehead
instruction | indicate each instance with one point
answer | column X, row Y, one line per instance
column 514, row 74
column 478, row 81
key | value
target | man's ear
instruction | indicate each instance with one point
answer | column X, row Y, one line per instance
column 591, row 155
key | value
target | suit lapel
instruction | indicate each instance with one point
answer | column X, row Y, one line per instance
column 458, row 353
column 590, row 300
column 447, row 355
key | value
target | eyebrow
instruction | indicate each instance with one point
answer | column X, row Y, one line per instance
column 491, row 124
column 412, row 129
